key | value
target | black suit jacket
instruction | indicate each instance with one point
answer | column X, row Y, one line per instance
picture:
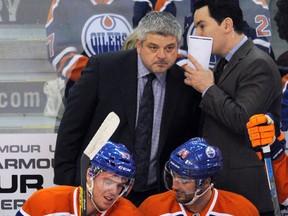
column 250, row 84
column 109, row 83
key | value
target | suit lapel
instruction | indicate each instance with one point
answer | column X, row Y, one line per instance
column 236, row 58
column 174, row 87
column 128, row 79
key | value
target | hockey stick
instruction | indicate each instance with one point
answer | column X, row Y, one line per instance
column 271, row 180
column 100, row 138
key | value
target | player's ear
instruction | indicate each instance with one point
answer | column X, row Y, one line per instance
column 207, row 181
column 138, row 45
column 88, row 178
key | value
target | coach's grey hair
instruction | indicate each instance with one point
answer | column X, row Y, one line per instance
column 161, row 23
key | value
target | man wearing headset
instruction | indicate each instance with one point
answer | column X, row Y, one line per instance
column 109, row 177
column 189, row 176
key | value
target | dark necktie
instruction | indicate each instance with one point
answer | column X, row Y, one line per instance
column 219, row 69
column 143, row 135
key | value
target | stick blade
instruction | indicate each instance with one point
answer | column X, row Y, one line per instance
column 103, row 134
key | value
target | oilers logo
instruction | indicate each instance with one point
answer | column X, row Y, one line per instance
column 210, row 152
column 104, row 33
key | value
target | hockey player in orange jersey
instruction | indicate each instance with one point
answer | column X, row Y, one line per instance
column 263, row 130
column 109, row 177
column 76, row 30
column 189, row 176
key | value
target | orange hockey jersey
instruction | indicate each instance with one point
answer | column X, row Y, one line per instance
column 280, row 167
column 64, row 200
column 221, row 203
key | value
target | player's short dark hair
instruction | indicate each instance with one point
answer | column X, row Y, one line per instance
column 221, row 9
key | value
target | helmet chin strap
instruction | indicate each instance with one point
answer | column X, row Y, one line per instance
column 90, row 192
column 196, row 196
